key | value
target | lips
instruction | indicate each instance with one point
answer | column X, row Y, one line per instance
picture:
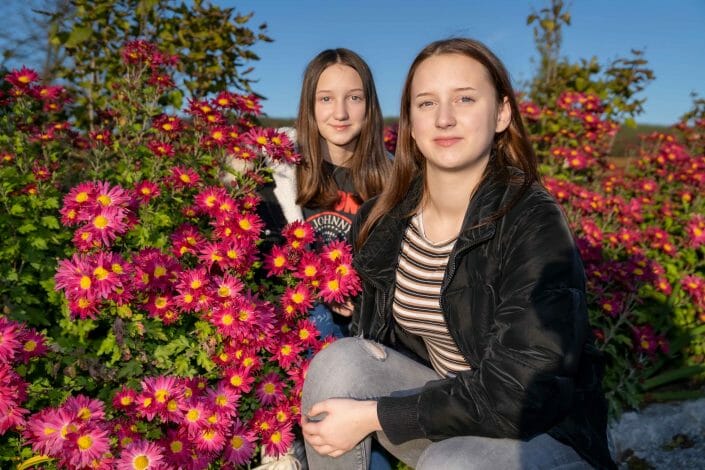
column 446, row 141
column 341, row 128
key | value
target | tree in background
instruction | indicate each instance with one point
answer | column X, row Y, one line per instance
column 617, row 84
column 213, row 45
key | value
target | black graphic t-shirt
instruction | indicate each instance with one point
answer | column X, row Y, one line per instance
column 334, row 224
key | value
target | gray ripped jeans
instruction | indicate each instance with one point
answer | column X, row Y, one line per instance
column 362, row 369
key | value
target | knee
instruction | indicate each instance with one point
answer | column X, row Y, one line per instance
column 335, row 372
column 327, row 372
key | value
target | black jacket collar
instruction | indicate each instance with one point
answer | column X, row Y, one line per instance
column 378, row 257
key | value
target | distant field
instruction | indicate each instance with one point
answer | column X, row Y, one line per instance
column 626, row 143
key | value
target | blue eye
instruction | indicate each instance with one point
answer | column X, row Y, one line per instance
column 425, row 104
column 467, row 99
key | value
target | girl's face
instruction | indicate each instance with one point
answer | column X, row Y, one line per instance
column 455, row 113
column 340, row 106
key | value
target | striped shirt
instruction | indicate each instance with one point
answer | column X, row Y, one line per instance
column 416, row 307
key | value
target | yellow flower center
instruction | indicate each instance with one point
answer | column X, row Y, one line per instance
column 237, row 442
column 84, row 413
column 125, row 400
column 104, row 200
column 279, row 261
column 193, row 415
column 333, row 285
column 236, row 380
column 269, row 388
column 286, row 349
column 298, row 297
column 30, row 345
column 310, row 271
column 245, row 224
column 116, row 268
column 224, row 291
column 159, row 271
column 161, row 395
column 84, row 442
column 176, row 446
column 100, row 222
column 227, row 319
column 85, row 282
column 100, row 273
column 140, row 462
column 160, row 302
column 82, row 196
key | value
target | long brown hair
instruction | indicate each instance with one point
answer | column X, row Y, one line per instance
column 369, row 166
column 510, row 147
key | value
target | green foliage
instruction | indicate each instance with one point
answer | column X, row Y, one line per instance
column 32, row 236
column 213, row 45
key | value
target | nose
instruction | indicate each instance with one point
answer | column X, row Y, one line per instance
column 340, row 112
column 445, row 116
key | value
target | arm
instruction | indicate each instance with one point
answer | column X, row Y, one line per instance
column 524, row 382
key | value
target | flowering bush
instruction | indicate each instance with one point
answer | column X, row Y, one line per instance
column 182, row 339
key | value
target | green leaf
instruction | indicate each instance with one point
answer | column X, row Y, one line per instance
column 77, row 36
column 26, row 228
column 17, row 209
column 49, row 221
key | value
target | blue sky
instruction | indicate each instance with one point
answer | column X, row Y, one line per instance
column 388, row 34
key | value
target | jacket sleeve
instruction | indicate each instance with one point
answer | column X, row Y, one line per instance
column 525, row 380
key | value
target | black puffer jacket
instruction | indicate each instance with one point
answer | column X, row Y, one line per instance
column 513, row 297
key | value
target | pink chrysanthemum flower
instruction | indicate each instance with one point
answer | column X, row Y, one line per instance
column 105, row 225
column 278, row 441
column 142, row 455
column 248, row 224
column 182, row 177
column 207, row 199
column 48, row 430
column 239, row 379
column 85, row 408
column 286, row 352
column 9, row 340
column 297, row 300
column 227, row 287
column 240, row 447
column 168, row 125
column 337, row 252
column 22, row 78
column 186, row 239
column 277, row 262
column 124, row 399
column 209, row 439
column 270, row 389
column 307, row 332
column 223, row 399
column 298, row 234
column 195, row 416
column 86, row 446
column 146, row 190
column 211, row 253
column 161, row 149
column 178, row 450
column 165, row 393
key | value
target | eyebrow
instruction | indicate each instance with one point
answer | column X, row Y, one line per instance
column 360, row 90
column 427, row 93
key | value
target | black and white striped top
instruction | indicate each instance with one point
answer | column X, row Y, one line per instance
column 416, row 307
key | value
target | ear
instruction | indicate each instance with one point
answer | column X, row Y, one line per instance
column 504, row 115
